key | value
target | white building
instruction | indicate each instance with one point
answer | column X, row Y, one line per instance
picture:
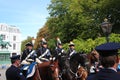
column 11, row 34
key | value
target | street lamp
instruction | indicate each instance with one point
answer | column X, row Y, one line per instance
column 106, row 28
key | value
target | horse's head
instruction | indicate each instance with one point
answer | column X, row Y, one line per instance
column 93, row 57
column 79, row 59
column 54, row 69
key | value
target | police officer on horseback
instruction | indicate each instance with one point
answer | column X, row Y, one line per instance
column 71, row 50
column 28, row 59
column 28, row 54
column 59, row 51
column 43, row 53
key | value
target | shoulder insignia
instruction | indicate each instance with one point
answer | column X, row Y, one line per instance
column 21, row 74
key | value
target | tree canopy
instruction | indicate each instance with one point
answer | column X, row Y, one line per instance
column 29, row 39
column 70, row 19
column 79, row 21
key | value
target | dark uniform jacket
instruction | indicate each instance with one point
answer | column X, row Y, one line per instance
column 71, row 52
column 105, row 74
column 58, row 52
column 14, row 73
column 25, row 53
column 41, row 51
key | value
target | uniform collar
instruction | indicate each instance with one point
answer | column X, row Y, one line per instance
column 112, row 69
column 14, row 65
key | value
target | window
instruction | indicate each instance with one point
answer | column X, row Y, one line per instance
column 1, row 27
column 3, row 37
column 14, row 38
column 5, row 28
column 14, row 46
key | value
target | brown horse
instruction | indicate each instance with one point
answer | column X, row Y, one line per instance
column 93, row 62
column 82, row 73
column 36, row 75
column 44, row 69
column 49, row 70
column 55, row 70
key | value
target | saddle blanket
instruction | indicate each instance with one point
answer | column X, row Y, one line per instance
column 30, row 69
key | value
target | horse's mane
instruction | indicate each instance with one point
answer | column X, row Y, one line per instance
column 80, row 58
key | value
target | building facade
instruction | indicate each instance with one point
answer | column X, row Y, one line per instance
column 12, row 35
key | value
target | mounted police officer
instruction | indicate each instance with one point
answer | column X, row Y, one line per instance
column 59, row 50
column 13, row 72
column 43, row 53
column 71, row 50
column 27, row 60
column 109, row 60
column 27, row 51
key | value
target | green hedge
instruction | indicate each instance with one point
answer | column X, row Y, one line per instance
column 89, row 44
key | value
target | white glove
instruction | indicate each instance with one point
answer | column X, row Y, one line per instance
column 30, row 60
column 54, row 58
column 59, row 54
column 51, row 58
column 44, row 59
column 38, row 61
column 25, row 62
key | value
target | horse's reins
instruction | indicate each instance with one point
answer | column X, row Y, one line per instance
column 76, row 75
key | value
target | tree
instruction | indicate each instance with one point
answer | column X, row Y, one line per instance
column 29, row 39
column 88, row 45
column 42, row 33
column 70, row 19
column 74, row 20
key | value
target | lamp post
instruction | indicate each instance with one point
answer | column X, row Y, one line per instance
column 106, row 28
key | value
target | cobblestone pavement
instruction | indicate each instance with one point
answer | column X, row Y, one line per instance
column 2, row 74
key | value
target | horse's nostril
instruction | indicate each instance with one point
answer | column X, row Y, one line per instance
column 77, row 74
column 52, row 71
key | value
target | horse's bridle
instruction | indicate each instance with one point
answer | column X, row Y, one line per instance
column 76, row 74
column 59, row 75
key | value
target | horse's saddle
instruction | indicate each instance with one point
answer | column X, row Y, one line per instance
column 29, row 69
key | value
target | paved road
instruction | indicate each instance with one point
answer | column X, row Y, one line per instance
column 3, row 68
column 2, row 74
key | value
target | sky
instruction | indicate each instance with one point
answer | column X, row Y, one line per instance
column 28, row 15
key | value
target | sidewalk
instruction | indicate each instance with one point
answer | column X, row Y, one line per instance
column 2, row 74
column 3, row 68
